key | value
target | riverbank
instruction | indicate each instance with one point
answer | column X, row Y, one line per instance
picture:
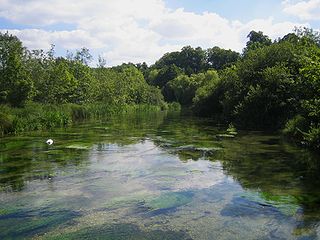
column 34, row 116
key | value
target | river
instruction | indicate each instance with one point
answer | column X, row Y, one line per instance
column 157, row 176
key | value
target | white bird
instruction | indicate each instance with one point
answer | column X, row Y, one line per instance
column 49, row 142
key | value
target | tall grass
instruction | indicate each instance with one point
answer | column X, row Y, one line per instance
column 36, row 116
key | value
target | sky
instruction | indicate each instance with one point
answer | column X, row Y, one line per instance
column 143, row 30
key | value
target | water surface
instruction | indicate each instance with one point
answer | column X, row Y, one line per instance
column 157, row 176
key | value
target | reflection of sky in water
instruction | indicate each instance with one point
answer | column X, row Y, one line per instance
column 137, row 179
column 145, row 165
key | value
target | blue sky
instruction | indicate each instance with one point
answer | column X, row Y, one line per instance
column 143, row 30
column 244, row 10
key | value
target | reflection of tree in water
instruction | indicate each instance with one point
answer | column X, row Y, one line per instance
column 278, row 172
column 281, row 173
column 132, row 128
column 37, row 163
column 274, row 168
column 24, row 159
column 189, row 138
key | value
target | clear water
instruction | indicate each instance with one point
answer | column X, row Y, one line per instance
column 157, row 176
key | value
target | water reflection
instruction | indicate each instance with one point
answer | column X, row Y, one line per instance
column 154, row 175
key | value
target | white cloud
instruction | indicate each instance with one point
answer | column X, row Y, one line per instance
column 129, row 30
column 39, row 12
column 268, row 27
column 35, row 38
column 305, row 10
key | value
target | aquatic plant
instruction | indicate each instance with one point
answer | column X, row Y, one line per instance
column 35, row 116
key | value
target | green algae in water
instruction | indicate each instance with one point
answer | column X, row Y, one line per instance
column 133, row 199
column 52, row 191
column 122, row 232
column 190, row 152
column 170, row 200
column 79, row 146
column 27, row 224
column 287, row 205
column 7, row 210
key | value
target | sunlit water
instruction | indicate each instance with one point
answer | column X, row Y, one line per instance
column 157, row 176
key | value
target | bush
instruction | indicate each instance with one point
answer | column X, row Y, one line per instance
column 312, row 138
column 174, row 106
column 6, row 122
column 296, row 127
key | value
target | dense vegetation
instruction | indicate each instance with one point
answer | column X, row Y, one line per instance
column 40, row 77
column 39, row 90
column 271, row 85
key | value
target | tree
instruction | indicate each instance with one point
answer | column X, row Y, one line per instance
column 186, row 88
column 83, row 55
column 85, row 86
column 168, row 59
column 206, row 101
column 267, row 104
column 218, row 58
column 256, row 40
column 166, row 74
column 61, row 84
column 101, row 62
column 190, row 60
column 15, row 83
column 308, row 35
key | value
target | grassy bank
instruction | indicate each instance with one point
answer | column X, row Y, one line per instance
column 36, row 116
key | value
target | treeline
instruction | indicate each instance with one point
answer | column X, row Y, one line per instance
column 272, row 85
column 38, row 76
column 39, row 90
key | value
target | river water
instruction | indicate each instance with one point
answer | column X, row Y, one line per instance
column 157, row 176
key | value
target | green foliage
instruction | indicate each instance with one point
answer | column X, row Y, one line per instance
column 180, row 74
column 174, row 106
column 6, row 120
column 312, row 137
column 61, row 81
column 82, row 56
column 39, row 76
column 256, row 40
column 308, row 35
column 218, row 58
column 268, row 103
column 296, row 127
column 15, row 82
column 207, row 98
column 231, row 129
column 272, row 85
column 190, row 60
column 35, row 116
column 166, row 74
column 125, row 85
column 185, row 88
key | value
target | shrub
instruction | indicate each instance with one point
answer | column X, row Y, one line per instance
column 312, row 137
column 296, row 127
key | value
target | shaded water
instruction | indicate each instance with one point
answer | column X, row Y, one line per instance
column 157, row 177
